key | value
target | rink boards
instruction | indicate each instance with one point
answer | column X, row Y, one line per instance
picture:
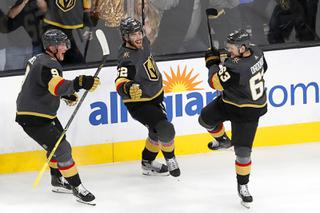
column 104, row 132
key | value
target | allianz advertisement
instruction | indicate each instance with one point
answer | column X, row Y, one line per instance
column 292, row 82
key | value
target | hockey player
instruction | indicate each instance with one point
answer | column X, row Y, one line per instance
column 243, row 101
column 139, row 83
column 37, row 105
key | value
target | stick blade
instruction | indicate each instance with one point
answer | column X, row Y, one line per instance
column 103, row 42
column 211, row 12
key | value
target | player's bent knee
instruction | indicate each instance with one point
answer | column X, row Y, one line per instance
column 205, row 125
column 165, row 131
column 63, row 152
column 152, row 135
column 209, row 127
column 243, row 154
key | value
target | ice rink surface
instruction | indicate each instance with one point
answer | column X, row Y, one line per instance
column 283, row 179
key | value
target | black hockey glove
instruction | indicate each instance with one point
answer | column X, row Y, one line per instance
column 224, row 54
column 70, row 100
column 86, row 82
column 212, row 57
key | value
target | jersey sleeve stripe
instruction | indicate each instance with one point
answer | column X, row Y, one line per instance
column 120, row 85
column 77, row 26
column 120, row 82
column 212, row 58
column 215, row 82
column 54, row 84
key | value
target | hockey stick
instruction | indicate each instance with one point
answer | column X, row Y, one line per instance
column 105, row 50
column 210, row 12
column 86, row 47
column 142, row 12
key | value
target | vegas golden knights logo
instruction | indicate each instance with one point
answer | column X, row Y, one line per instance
column 66, row 5
column 151, row 69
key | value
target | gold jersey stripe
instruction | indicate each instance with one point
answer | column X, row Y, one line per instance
column 212, row 57
column 152, row 146
column 144, row 99
column 215, row 82
column 53, row 83
column 120, row 81
column 37, row 114
column 245, row 105
column 62, row 25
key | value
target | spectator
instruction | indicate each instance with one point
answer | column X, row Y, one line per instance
column 255, row 16
column 174, row 25
column 151, row 21
column 184, row 22
column 16, row 41
column 110, row 12
column 196, row 35
column 68, row 17
column 26, row 13
column 293, row 14
column 229, row 19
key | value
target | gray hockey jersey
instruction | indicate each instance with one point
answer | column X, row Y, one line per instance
column 42, row 88
column 241, row 80
column 66, row 14
column 139, row 66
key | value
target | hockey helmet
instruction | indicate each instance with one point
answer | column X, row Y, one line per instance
column 130, row 25
column 54, row 37
column 239, row 38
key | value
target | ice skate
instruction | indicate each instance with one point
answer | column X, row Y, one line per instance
column 83, row 195
column 245, row 196
column 173, row 167
column 60, row 185
column 221, row 143
column 154, row 168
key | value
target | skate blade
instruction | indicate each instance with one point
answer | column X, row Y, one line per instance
column 91, row 203
column 245, row 204
column 61, row 190
column 152, row 173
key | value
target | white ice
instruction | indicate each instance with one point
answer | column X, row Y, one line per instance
column 283, row 179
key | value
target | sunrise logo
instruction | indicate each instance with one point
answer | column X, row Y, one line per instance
column 183, row 94
column 180, row 82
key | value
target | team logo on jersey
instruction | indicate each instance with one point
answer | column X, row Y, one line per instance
column 126, row 55
column 180, row 81
column 66, row 5
column 236, row 60
column 151, row 69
